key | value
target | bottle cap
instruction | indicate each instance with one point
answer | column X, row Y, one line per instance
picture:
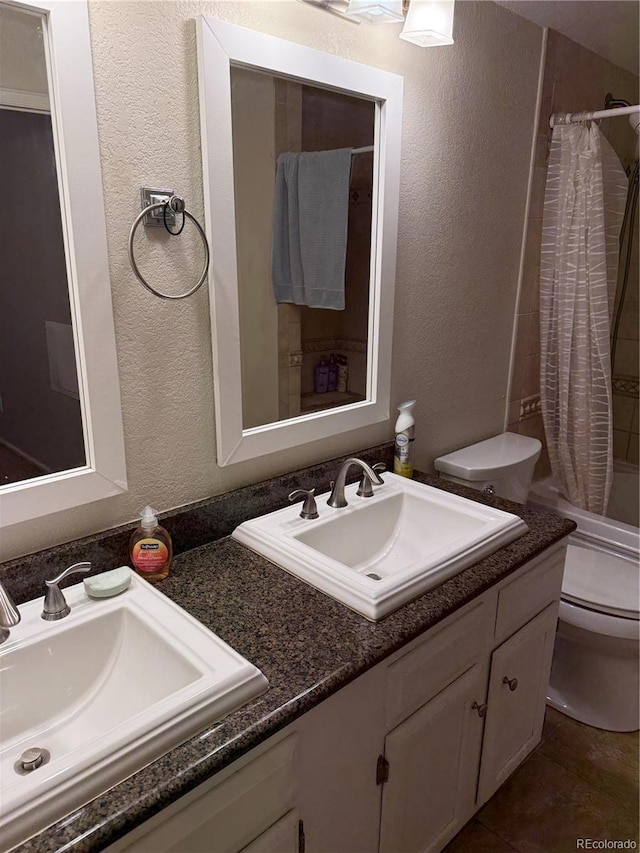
column 405, row 418
column 149, row 520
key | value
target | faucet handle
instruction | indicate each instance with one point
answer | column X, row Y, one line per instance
column 365, row 489
column 55, row 606
column 9, row 614
column 309, row 508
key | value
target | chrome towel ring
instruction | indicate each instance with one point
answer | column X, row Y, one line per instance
column 176, row 203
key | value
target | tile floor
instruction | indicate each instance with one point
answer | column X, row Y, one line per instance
column 579, row 782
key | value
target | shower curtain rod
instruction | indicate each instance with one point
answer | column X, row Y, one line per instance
column 576, row 118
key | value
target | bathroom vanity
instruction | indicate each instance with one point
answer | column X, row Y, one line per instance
column 386, row 735
column 401, row 757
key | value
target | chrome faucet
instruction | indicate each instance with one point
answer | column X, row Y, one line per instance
column 9, row 614
column 337, row 498
column 55, row 607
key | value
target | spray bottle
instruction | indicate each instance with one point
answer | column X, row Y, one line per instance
column 150, row 547
column 405, row 430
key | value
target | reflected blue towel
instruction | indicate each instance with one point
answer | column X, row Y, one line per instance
column 310, row 220
column 286, row 262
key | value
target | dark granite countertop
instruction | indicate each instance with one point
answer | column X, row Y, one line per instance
column 306, row 644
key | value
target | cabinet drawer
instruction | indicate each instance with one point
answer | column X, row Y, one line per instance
column 521, row 599
column 234, row 813
column 444, row 654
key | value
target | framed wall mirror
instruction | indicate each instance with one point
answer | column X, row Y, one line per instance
column 301, row 157
column 61, row 442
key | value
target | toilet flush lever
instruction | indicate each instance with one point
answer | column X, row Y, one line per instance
column 309, row 508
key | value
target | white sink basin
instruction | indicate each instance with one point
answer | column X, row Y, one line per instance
column 378, row 553
column 105, row 690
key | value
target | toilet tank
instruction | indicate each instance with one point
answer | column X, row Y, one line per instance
column 505, row 463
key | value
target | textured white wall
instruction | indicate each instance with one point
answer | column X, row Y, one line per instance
column 467, row 132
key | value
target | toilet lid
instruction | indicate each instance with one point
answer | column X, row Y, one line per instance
column 500, row 456
column 602, row 582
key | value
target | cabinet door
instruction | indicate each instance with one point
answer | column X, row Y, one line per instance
column 516, row 700
column 282, row 837
column 433, row 760
column 339, row 740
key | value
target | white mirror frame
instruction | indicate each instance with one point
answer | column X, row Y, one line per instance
column 75, row 132
column 221, row 45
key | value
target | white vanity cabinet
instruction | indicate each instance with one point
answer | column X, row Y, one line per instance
column 248, row 807
column 399, row 759
column 448, row 757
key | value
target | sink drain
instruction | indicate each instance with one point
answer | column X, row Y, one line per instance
column 31, row 759
column 374, row 576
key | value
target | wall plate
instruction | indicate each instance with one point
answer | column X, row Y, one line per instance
column 154, row 195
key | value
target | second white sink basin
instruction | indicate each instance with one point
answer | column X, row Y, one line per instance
column 102, row 692
column 378, row 553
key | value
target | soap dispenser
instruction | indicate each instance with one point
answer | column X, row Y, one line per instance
column 150, row 547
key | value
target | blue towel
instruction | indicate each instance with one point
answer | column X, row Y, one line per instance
column 286, row 263
column 310, row 221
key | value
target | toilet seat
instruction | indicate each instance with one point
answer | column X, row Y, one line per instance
column 601, row 583
column 617, row 627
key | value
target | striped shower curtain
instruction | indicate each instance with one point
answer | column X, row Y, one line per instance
column 583, row 209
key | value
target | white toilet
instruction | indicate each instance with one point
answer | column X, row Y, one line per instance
column 595, row 677
column 502, row 465
column 595, row 672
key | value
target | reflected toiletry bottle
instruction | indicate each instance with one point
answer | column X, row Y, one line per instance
column 405, row 430
column 332, row 384
column 321, row 376
column 150, row 547
column 343, row 373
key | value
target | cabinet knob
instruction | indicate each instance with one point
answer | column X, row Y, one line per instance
column 512, row 682
column 481, row 709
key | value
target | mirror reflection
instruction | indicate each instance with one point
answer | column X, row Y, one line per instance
column 41, row 428
column 303, row 202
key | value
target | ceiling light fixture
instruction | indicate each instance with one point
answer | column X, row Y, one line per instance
column 376, row 11
column 334, row 7
column 429, row 23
